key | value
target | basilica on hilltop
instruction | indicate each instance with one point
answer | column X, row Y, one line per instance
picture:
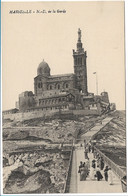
column 64, row 91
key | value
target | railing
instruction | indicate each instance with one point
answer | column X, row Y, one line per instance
column 115, row 168
column 68, row 177
column 124, row 185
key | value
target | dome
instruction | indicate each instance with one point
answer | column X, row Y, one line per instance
column 43, row 69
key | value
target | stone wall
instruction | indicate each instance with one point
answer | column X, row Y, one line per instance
column 29, row 115
column 38, row 114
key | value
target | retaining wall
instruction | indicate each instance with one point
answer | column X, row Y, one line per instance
column 49, row 113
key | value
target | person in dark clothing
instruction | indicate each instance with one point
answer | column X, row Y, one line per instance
column 98, row 174
column 85, row 143
column 102, row 163
column 106, row 173
column 92, row 149
column 94, row 164
column 86, row 153
column 98, row 161
column 89, row 148
column 81, row 164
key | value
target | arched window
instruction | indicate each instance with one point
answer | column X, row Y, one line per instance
column 76, row 61
column 50, row 87
column 66, row 85
column 40, row 85
column 58, row 86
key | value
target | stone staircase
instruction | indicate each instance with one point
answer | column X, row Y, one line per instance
column 90, row 186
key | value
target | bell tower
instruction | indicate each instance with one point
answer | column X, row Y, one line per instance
column 80, row 68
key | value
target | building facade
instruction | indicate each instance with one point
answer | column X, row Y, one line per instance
column 47, row 85
column 54, row 90
column 64, row 91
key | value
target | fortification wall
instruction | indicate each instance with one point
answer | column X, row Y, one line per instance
column 29, row 115
column 48, row 113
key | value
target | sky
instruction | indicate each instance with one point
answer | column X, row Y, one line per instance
column 27, row 39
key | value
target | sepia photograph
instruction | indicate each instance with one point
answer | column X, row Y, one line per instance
column 63, row 98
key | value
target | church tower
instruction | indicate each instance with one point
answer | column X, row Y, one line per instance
column 80, row 68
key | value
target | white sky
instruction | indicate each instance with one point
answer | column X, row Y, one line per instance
column 28, row 39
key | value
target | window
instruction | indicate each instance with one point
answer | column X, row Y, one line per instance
column 75, row 61
column 40, row 85
column 66, row 85
column 58, row 86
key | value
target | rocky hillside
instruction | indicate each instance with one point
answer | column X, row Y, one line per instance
column 111, row 140
column 55, row 131
column 31, row 150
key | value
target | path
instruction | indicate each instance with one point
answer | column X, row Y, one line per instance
column 90, row 186
column 88, row 135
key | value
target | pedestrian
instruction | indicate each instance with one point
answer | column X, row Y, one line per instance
column 97, row 156
column 94, row 154
column 92, row 170
column 83, row 172
column 94, row 164
column 101, row 163
column 110, row 177
column 87, row 163
column 98, row 174
column 92, row 149
column 81, row 145
column 85, row 143
column 98, row 161
column 106, row 173
column 89, row 148
column 80, row 166
column 86, row 153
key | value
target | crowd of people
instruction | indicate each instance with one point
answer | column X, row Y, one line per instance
column 94, row 168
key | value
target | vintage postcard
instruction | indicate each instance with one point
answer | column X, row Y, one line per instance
column 63, row 98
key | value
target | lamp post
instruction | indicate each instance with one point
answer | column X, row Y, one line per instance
column 96, row 82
